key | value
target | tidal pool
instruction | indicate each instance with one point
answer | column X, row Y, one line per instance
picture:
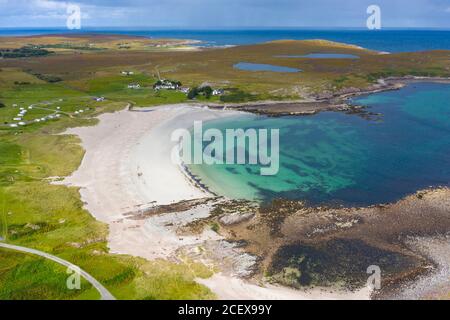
column 345, row 159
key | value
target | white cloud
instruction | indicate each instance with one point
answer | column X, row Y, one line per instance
column 204, row 13
column 50, row 4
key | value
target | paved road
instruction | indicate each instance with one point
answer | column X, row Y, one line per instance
column 104, row 293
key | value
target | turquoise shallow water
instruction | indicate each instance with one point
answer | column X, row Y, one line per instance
column 345, row 159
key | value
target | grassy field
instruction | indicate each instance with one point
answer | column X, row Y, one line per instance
column 93, row 43
column 26, row 277
column 37, row 214
column 115, row 86
column 215, row 66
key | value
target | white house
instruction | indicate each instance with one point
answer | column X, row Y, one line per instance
column 134, row 86
column 166, row 84
column 217, row 92
column 184, row 89
column 166, row 87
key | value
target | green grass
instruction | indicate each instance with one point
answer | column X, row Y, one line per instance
column 237, row 95
column 23, row 277
column 116, row 84
column 149, row 97
column 37, row 214
column 115, row 87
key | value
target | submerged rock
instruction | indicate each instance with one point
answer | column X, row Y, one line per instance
column 236, row 218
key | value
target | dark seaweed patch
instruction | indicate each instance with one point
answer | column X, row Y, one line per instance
column 339, row 261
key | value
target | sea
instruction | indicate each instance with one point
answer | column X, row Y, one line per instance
column 386, row 40
column 400, row 147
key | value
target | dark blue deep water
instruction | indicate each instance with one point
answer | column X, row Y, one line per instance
column 389, row 40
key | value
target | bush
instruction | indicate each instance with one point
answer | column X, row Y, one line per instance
column 193, row 93
column 45, row 77
column 206, row 91
column 2, row 105
column 215, row 227
column 23, row 52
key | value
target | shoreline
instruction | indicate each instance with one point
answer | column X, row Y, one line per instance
column 141, row 187
column 196, row 181
column 331, row 102
column 138, row 133
column 120, row 179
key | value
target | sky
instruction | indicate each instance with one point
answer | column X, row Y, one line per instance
column 226, row 13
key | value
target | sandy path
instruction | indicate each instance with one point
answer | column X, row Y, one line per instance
column 127, row 167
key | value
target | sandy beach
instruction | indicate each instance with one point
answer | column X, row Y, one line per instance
column 127, row 169
column 231, row 288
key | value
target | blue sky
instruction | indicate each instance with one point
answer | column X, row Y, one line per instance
column 226, row 13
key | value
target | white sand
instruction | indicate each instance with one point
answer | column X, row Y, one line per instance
column 228, row 288
column 127, row 167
